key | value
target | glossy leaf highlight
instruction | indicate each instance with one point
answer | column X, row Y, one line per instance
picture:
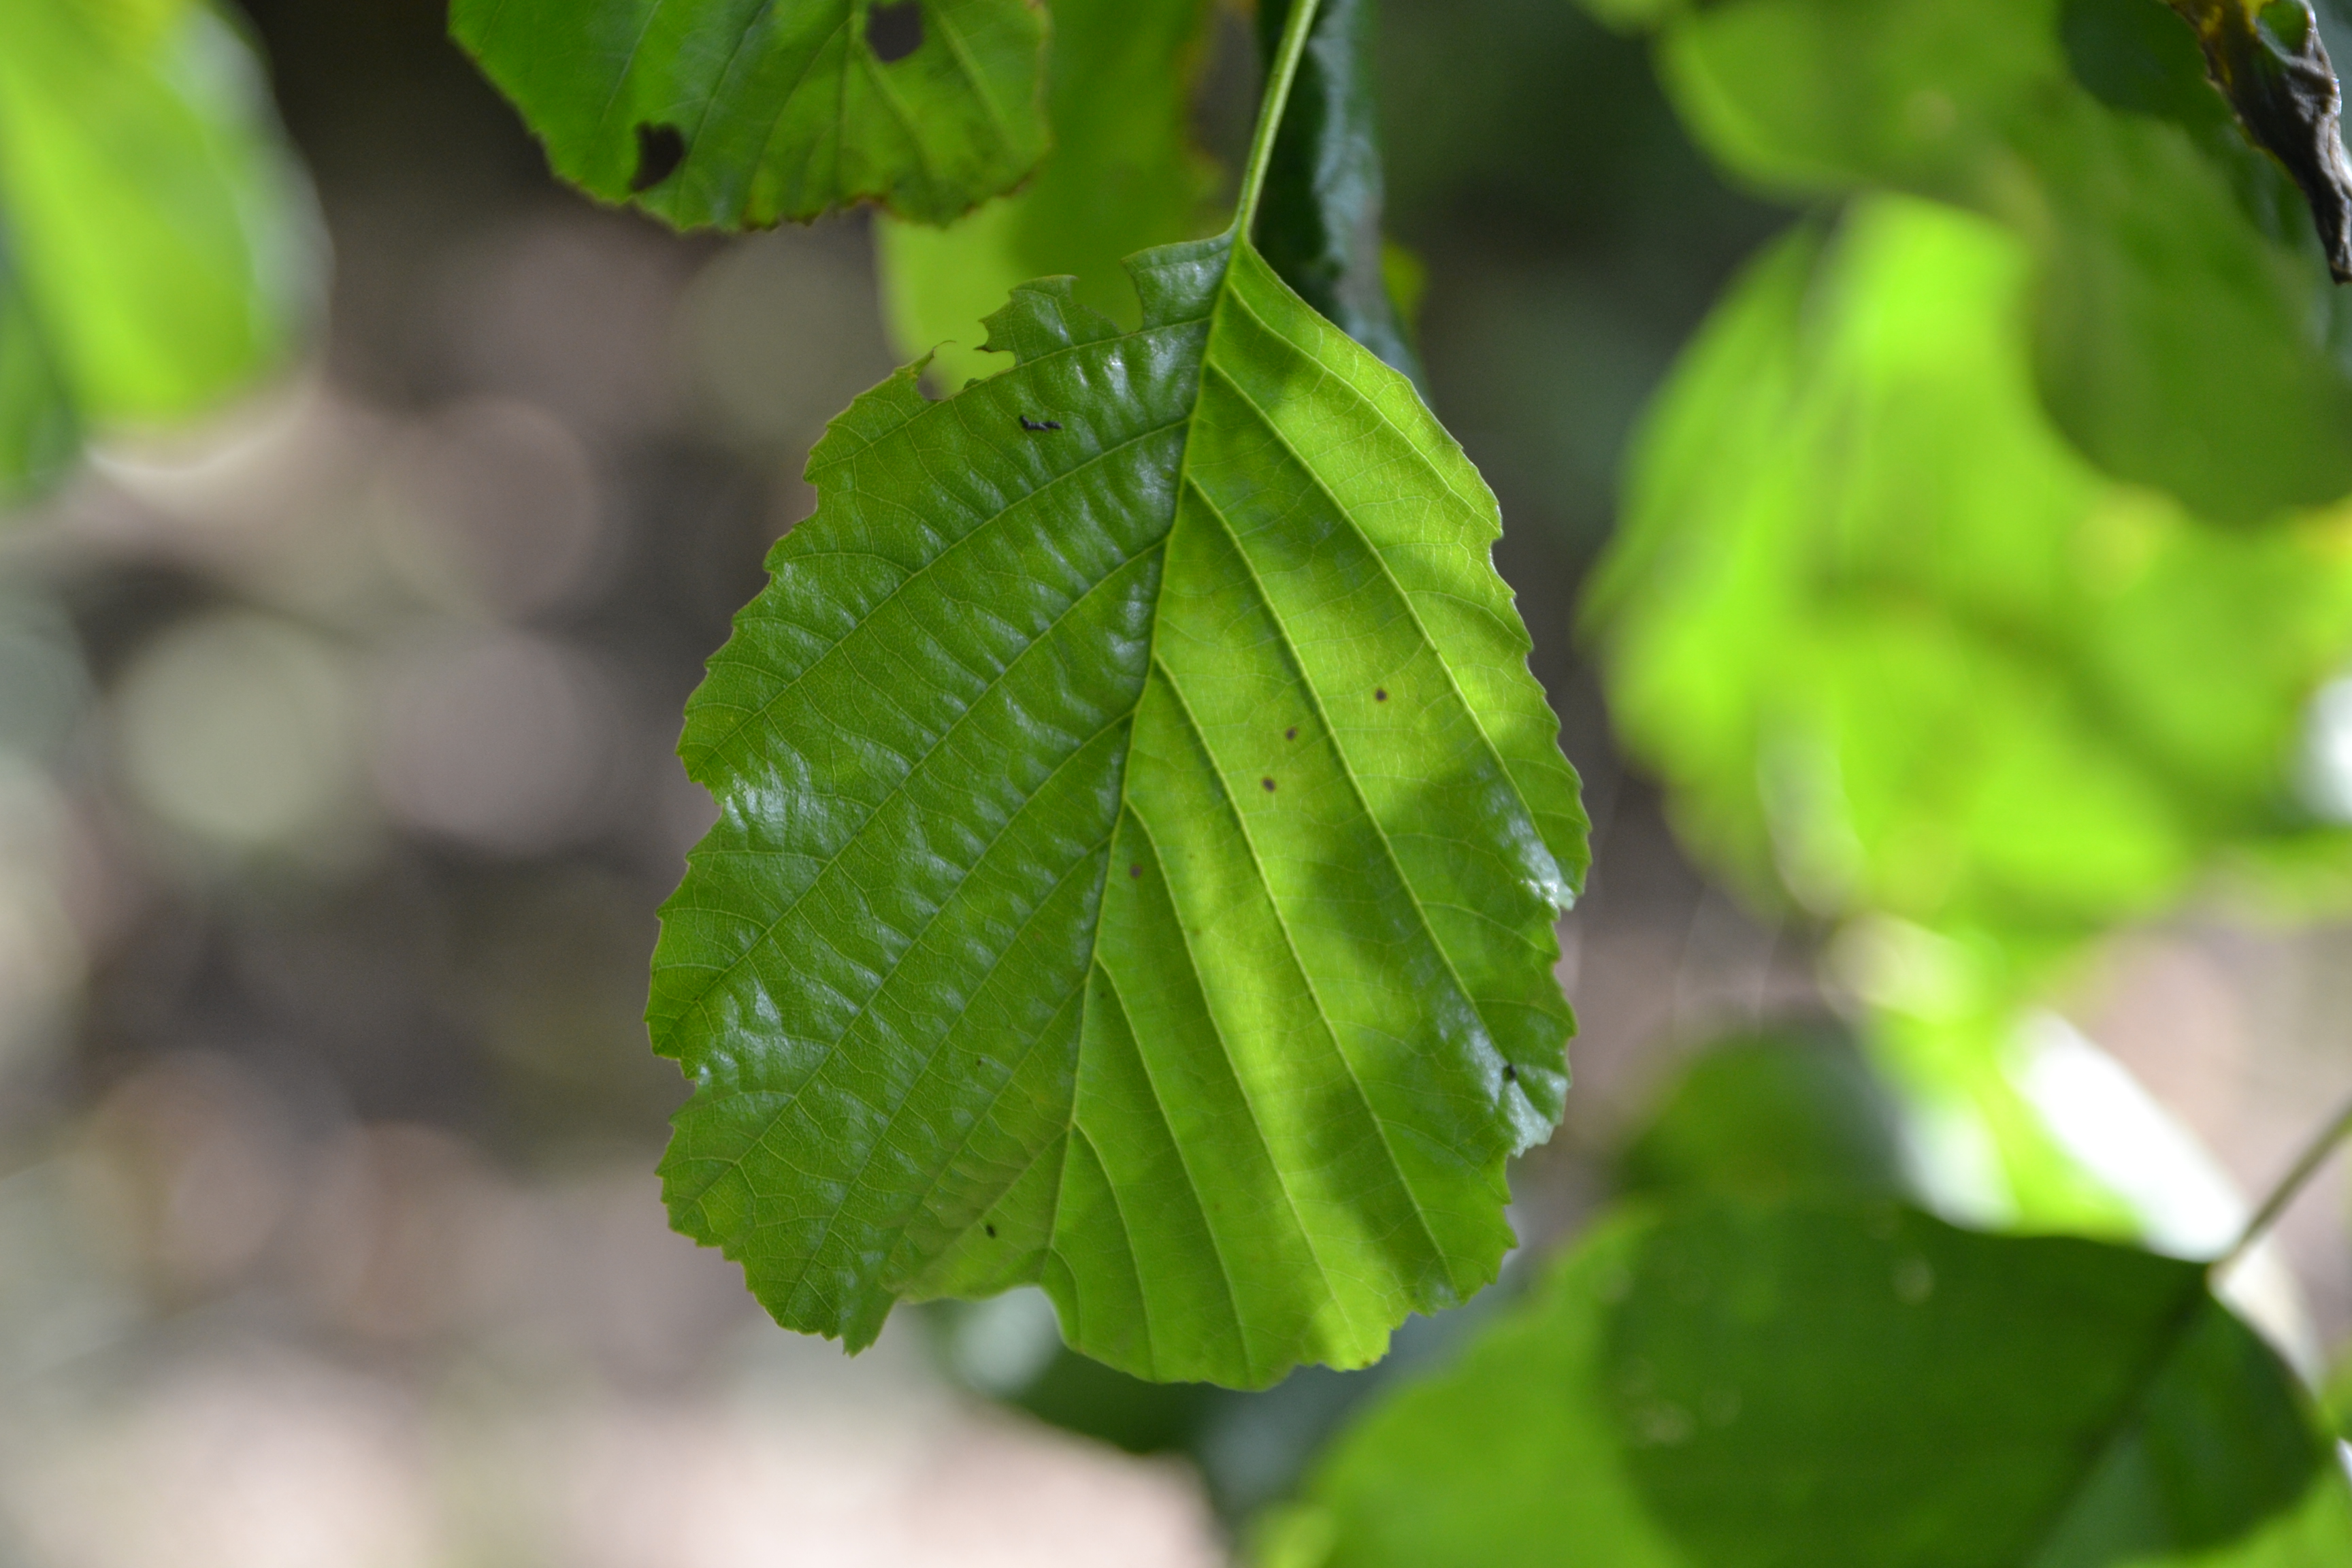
column 1140, row 838
column 741, row 113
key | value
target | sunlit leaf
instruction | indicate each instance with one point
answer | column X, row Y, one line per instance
column 1139, row 844
column 157, row 245
column 1897, row 648
column 1123, row 176
column 1728, row 1386
column 2179, row 279
column 738, row 113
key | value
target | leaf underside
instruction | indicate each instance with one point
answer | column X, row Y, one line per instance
column 740, row 113
column 1139, row 845
column 1762, row 1387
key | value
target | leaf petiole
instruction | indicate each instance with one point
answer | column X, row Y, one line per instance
column 2289, row 1186
column 1284, row 71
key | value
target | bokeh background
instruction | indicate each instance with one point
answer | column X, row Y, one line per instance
column 337, row 799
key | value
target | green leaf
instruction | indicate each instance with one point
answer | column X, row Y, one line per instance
column 1743, row 1387
column 1896, row 649
column 738, row 113
column 1321, row 228
column 161, row 247
column 1139, row 845
column 38, row 434
column 2179, row 281
column 1123, row 177
column 1772, row 1114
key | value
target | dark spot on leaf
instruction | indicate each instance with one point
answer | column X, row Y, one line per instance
column 1269, row 786
column 1291, row 733
column 1135, row 870
column 894, row 32
column 991, row 1231
column 1380, row 694
column 1510, row 1073
column 1029, row 423
column 661, row 149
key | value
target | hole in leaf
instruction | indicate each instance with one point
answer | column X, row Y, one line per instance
column 894, row 32
column 661, row 149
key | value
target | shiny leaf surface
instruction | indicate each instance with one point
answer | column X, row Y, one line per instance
column 739, row 113
column 1764, row 1387
column 1139, row 846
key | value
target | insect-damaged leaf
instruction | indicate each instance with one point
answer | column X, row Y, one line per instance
column 2266, row 56
column 738, row 113
column 1139, row 850
column 1725, row 1386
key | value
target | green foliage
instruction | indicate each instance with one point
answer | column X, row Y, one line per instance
column 1773, row 1115
column 1749, row 1386
column 157, row 246
column 1122, row 177
column 1324, row 188
column 2177, row 278
column 1139, row 846
column 1899, row 650
column 738, row 113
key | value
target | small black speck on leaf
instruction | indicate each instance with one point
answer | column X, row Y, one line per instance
column 1029, row 423
column 1135, row 870
column 991, row 1231
column 1380, row 694
column 661, row 149
column 1291, row 733
column 894, row 32
column 1510, row 1073
column 1269, row 786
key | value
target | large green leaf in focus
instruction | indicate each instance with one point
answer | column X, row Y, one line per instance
column 739, row 113
column 1123, row 176
column 1732, row 1387
column 1139, row 844
column 1324, row 189
column 157, row 245
column 2187, row 334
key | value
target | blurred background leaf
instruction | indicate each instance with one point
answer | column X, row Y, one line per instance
column 2177, row 275
column 739, row 113
column 157, row 246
